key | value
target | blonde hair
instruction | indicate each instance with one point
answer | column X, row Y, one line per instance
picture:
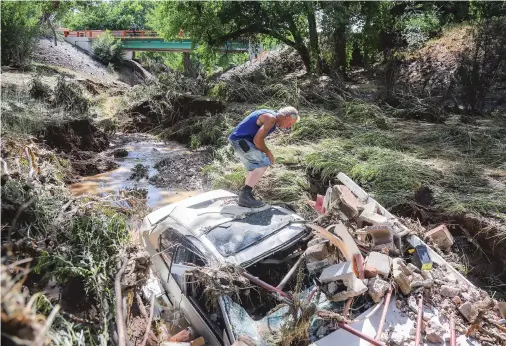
column 289, row 111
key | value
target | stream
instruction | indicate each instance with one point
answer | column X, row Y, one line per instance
column 146, row 150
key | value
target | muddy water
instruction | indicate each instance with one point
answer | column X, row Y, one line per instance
column 143, row 149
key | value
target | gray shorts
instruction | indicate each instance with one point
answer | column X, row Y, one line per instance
column 249, row 154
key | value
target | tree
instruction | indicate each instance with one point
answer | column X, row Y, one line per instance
column 109, row 15
column 217, row 22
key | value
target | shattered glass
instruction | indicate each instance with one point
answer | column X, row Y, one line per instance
column 235, row 236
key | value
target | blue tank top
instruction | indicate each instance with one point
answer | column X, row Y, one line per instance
column 248, row 128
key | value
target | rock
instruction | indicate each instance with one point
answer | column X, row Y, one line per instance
column 377, row 264
column 399, row 304
column 440, row 236
column 398, row 337
column 457, row 300
column 322, row 331
column 417, row 277
column 377, row 288
column 317, row 252
column 435, row 332
column 400, row 277
column 120, row 152
column 426, row 274
column 469, row 311
column 449, row 291
column 471, row 295
column 332, row 288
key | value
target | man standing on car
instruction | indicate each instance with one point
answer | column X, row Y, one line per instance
column 248, row 141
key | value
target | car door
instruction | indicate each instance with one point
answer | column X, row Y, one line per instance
column 187, row 255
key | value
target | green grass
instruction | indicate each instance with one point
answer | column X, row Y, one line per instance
column 366, row 114
column 313, row 126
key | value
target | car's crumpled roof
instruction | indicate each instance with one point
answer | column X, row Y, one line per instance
column 234, row 236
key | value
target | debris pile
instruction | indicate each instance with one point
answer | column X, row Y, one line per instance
column 361, row 273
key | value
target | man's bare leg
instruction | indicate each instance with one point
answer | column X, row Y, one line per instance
column 254, row 176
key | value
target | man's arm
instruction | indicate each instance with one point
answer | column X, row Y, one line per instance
column 268, row 123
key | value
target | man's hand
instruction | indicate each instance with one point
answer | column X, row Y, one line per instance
column 270, row 156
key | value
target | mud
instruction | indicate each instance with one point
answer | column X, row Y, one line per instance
column 79, row 134
column 182, row 171
column 165, row 110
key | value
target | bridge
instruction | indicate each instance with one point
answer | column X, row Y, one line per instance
column 144, row 41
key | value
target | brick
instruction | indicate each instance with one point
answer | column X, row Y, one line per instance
column 440, row 236
column 377, row 264
column 349, row 199
column 381, row 233
column 317, row 252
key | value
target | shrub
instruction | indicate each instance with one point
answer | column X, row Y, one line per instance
column 19, row 30
column 70, row 96
column 37, row 89
column 107, row 49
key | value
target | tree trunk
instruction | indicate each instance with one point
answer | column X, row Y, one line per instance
column 313, row 39
column 189, row 69
column 340, row 49
column 305, row 56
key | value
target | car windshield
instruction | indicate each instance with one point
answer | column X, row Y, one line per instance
column 234, row 236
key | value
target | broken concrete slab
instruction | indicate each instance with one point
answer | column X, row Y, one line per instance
column 377, row 264
column 377, row 288
column 441, row 236
column 349, row 200
column 372, row 218
column 400, row 278
column 357, row 190
column 342, row 274
column 469, row 311
column 317, row 252
column 318, row 266
column 340, row 271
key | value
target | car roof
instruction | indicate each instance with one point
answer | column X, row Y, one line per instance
column 231, row 233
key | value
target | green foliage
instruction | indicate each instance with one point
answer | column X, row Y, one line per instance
column 107, row 49
column 419, row 24
column 110, row 15
column 283, row 185
column 230, row 176
column 20, row 26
